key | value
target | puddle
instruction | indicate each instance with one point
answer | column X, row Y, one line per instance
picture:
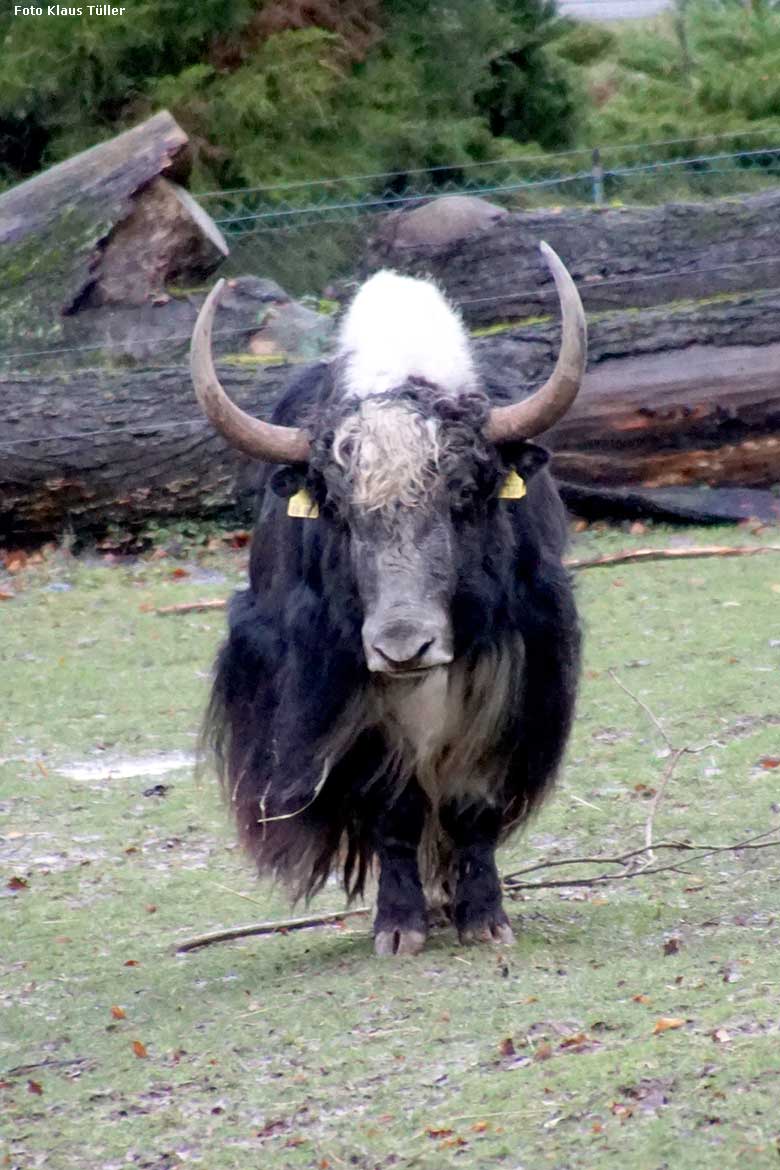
column 124, row 768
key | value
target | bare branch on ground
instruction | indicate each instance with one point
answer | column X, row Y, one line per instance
column 282, row 925
column 672, row 554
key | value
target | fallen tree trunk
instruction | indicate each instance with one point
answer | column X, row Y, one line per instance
column 618, row 256
column 99, row 447
column 107, row 230
column 674, row 399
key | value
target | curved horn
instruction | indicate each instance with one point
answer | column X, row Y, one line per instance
column 254, row 437
column 550, row 402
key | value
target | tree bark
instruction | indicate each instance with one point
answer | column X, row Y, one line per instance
column 675, row 399
column 108, row 228
column 618, row 256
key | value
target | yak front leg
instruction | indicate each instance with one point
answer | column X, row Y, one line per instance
column 478, row 913
column 400, row 927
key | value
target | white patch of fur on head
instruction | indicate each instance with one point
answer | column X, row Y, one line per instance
column 390, row 452
column 398, row 327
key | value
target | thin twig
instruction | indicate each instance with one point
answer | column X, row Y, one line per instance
column 22, row 1070
column 605, row 878
column 281, row 925
column 672, row 554
column 623, row 858
column 192, row 606
column 658, row 796
column 674, row 758
column 640, row 703
column 236, row 893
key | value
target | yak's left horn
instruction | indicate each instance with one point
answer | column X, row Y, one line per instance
column 550, row 402
column 261, row 440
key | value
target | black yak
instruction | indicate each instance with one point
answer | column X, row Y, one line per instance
column 398, row 681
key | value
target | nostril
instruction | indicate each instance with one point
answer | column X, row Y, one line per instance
column 402, row 656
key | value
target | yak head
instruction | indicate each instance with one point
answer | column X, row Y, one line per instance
column 403, row 452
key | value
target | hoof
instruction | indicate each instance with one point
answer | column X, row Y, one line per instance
column 399, row 942
column 499, row 933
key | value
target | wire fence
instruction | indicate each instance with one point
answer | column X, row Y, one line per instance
column 307, row 235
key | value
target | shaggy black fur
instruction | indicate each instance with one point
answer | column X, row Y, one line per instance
column 293, row 664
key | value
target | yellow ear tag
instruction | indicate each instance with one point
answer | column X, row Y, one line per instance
column 302, row 507
column 513, row 487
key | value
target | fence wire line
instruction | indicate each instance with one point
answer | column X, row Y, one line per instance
column 149, row 341
column 540, row 291
column 153, row 428
column 295, row 184
column 377, row 202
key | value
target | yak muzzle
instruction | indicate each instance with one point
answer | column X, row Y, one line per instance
column 403, row 646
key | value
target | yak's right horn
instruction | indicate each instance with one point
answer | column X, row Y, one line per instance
column 261, row 440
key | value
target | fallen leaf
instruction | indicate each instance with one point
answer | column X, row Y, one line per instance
column 543, row 1052
column 35, row 1087
column 432, row 1132
column 177, row 574
column 575, row 1040
column 17, row 883
column 140, row 1050
column 506, row 1047
column 132, row 963
column 6, row 596
column 620, row 1109
column 15, row 561
column 667, row 1024
column 671, row 946
column 479, row 1126
column 770, row 762
column 642, row 999
column 117, row 1012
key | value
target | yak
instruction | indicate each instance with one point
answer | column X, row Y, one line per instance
column 399, row 677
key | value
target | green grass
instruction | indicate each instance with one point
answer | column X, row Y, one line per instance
column 304, row 1050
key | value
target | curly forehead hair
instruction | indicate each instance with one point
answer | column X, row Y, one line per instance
column 395, row 448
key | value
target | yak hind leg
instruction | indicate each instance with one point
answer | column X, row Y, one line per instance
column 400, row 926
column 478, row 911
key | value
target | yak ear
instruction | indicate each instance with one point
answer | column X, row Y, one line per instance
column 526, row 458
column 287, row 480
